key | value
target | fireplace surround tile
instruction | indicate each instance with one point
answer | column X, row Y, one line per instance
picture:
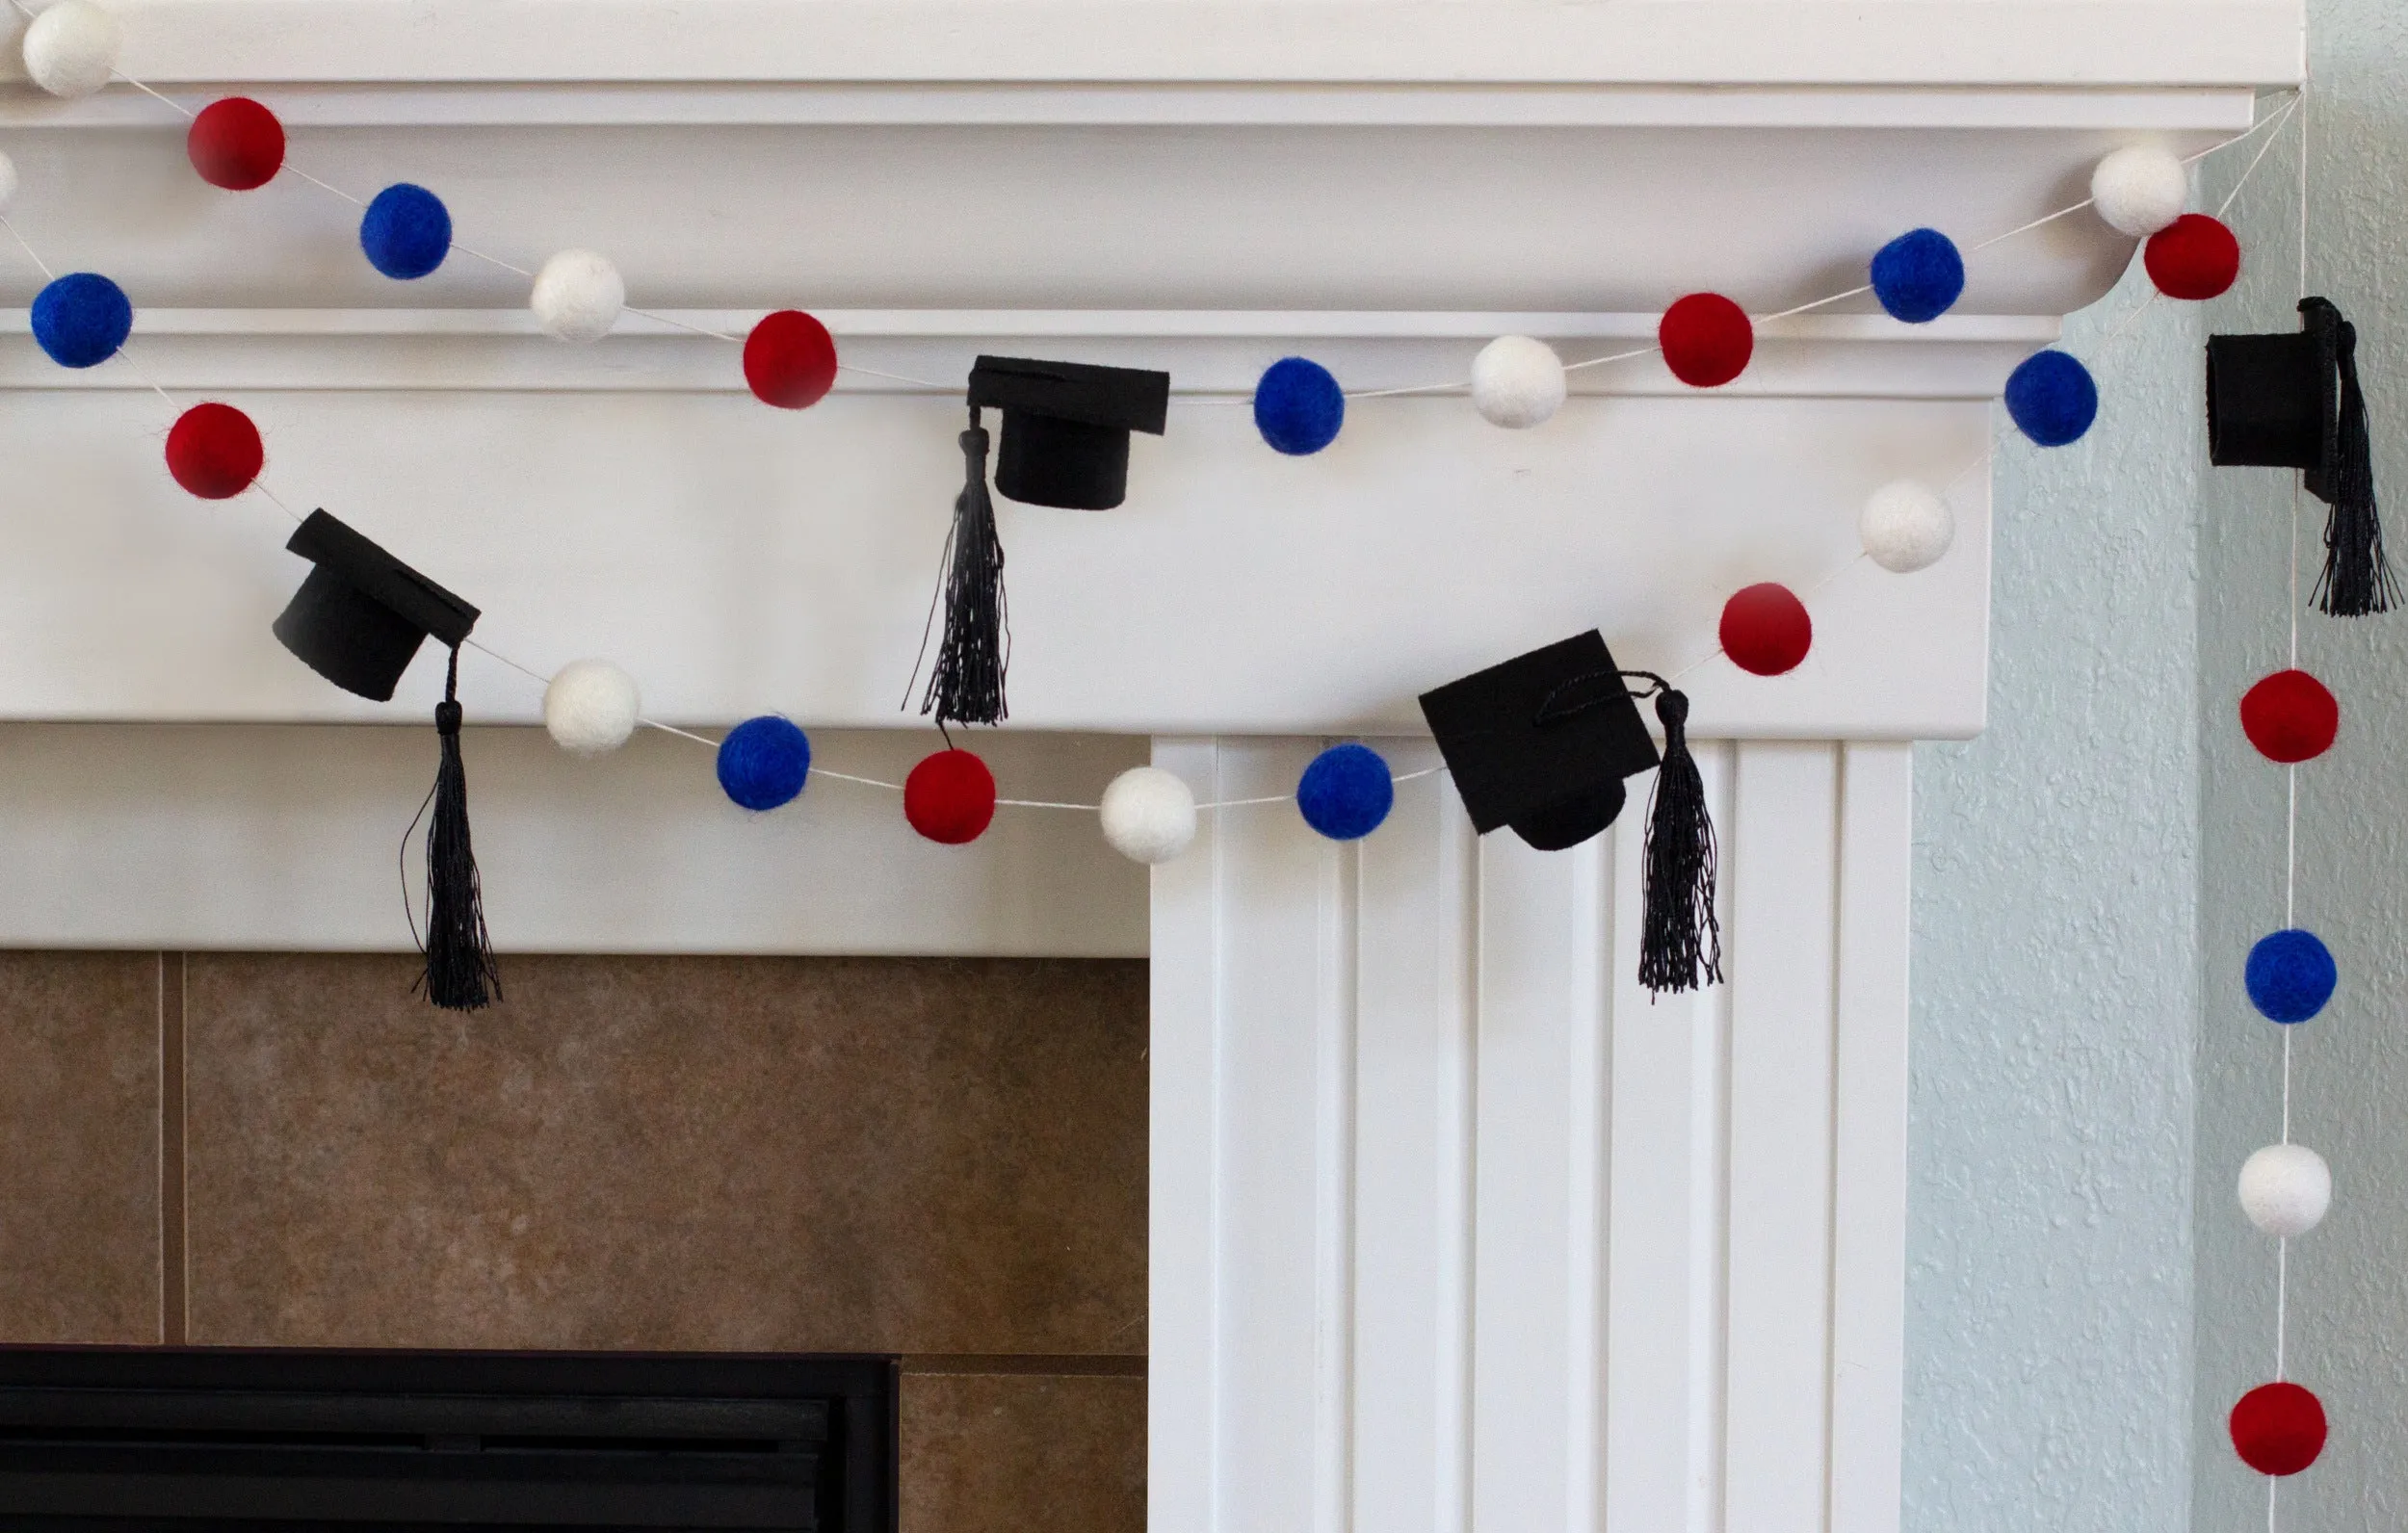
column 1004, row 1452
column 79, row 1132
column 931, row 1156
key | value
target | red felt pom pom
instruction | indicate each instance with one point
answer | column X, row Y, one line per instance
column 1766, row 629
column 790, row 360
column 2289, row 716
column 1706, row 340
column 2278, row 1428
column 950, row 798
column 214, row 451
column 2192, row 257
column 236, row 144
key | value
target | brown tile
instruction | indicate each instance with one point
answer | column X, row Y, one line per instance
column 79, row 1135
column 1003, row 1453
column 848, row 1154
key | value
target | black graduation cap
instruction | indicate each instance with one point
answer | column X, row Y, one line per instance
column 2292, row 401
column 1066, row 426
column 1542, row 741
column 361, row 616
column 357, row 620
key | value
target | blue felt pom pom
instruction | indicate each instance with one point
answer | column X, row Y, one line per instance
column 2291, row 975
column 82, row 318
column 405, row 231
column 1918, row 275
column 1298, row 406
column 1346, row 793
column 2051, row 398
column 763, row 762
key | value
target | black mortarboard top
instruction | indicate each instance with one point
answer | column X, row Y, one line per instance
column 1066, row 426
column 1542, row 741
column 361, row 614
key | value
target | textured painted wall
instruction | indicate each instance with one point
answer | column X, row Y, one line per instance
column 2048, row 1260
column 2349, row 1278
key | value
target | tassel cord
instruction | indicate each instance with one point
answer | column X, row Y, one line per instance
column 2357, row 579
column 1680, row 936
column 460, row 973
column 966, row 684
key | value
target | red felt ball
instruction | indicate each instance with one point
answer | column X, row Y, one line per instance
column 2192, row 257
column 950, row 798
column 790, row 360
column 2289, row 716
column 1766, row 629
column 2278, row 1428
column 214, row 451
column 236, row 144
column 1706, row 340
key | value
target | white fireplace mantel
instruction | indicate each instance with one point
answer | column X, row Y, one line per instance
column 1454, row 1230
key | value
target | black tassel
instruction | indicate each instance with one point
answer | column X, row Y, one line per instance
column 1679, row 934
column 460, row 973
column 967, row 684
column 2357, row 579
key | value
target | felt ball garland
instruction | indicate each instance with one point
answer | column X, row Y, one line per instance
column 1766, row 629
column 578, row 296
column 72, row 49
column 2289, row 716
column 763, row 763
column 2052, row 399
column 2278, row 1428
column 2285, row 1190
column 407, row 232
column 214, row 451
column 1918, row 277
column 1148, row 814
column 1906, row 526
column 2140, row 189
column 1707, row 340
column 236, row 145
column 790, row 360
column 8, row 180
column 2194, row 257
column 1517, row 382
column 1298, row 407
column 2290, row 975
column 81, row 318
column 950, row 798
column 591, row 707
column 1346, row 793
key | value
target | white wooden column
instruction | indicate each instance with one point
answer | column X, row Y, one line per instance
column 1455, row 1228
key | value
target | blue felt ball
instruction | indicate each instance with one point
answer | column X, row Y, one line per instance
column 763, row 762
column 1346, row 793
column 405, row 231
column 1298, row 406
column 2291, row 975
column 1918, row 275
column 2051, row 398
column 82, row 318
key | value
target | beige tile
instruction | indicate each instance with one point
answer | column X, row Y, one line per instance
column 848, row 1154
column 79, row 1136
column 1005, row 1453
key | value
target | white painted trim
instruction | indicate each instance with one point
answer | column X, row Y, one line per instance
column 2091, row 43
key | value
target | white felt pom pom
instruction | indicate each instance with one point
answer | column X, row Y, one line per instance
column 2285, row 1190
column 578, row 296
column 71, row 47
column 1906, row 526
column 2140, row 190
column 1517, row 381
column 591, row 707
column 8, row 181
column 1149, row 815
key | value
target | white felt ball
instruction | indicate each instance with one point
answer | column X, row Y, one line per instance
column 2285, row 1190
column 578, row 296
column 2140, row 189
column 8, row 181
column 1906, row 526
column 1149, row 815
column 1517, row 381
column 71, row 47
column 591, row 707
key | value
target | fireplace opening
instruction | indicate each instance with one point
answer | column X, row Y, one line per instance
column 112, row 1440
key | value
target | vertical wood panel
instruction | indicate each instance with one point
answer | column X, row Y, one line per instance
column 1869, row 1184
column 1784, row 884
column 1665, row 1246
column 1413, row 1072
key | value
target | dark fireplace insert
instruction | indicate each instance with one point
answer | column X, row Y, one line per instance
column 127, row 1440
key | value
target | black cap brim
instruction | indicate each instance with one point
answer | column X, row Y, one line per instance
column 361, row 615
column 1067, row 425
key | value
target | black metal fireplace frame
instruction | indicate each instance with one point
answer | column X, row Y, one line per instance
column 184, row 1439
